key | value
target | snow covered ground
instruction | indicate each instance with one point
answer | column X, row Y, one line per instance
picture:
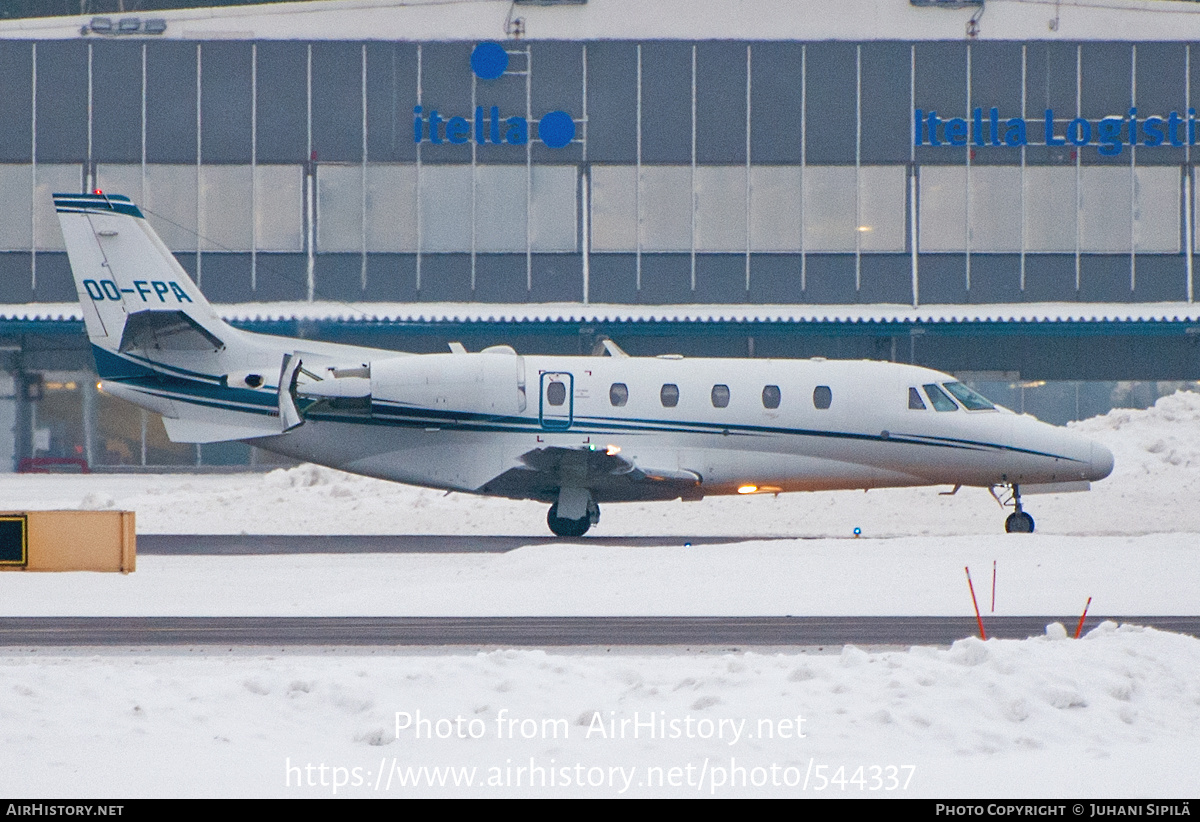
column 1116, row 714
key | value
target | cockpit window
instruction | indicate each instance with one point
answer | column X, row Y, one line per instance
column 971, row 400
column 939, row 399
column 915, row 402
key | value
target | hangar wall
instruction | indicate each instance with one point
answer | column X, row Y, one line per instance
column 696, row 172
column 665, row 172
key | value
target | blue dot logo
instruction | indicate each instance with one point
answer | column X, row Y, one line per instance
column 489, row 61
column 556, row 129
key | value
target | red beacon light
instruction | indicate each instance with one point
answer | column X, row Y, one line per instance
column 97, row 191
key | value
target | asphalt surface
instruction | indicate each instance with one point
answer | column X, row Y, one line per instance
column 681, row 632
column 261, row 544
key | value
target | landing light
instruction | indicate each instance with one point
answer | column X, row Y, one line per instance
column 759, row 489
column 612, row 450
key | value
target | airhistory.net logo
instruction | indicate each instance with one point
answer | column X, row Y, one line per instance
column 489, row 61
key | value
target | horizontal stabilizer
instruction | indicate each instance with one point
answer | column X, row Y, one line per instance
column 166, row 331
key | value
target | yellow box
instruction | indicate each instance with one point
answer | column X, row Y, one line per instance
column 68, row 541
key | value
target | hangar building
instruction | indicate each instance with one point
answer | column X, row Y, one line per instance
column 1005, row 191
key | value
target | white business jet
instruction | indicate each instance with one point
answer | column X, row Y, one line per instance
column 572, row 432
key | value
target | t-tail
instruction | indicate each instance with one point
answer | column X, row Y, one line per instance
column 157, row 341
column 130, row 286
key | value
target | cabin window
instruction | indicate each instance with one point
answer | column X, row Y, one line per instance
column 771, row 396
column 556, row 393
column 720, row 396
column 915, row 402
column 669, row 395
column 939, row 399
column 822, row 397
column 971, row 400
column 618, row 395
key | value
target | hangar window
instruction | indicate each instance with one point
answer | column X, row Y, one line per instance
column 669, row 395
column 618, row 394
column 771, row 396
column 939, row 399
column 556, row 393
column 720, row 396
column 822, row 397
column 971, row 400
column 914, row 400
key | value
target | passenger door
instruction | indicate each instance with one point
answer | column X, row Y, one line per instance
column 556, row 404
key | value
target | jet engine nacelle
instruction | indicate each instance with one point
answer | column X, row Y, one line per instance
column 491, row 382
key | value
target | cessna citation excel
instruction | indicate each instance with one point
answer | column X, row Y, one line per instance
column 572, row 432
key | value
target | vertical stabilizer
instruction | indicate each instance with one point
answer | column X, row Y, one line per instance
column 122, row 270
column 157, row 342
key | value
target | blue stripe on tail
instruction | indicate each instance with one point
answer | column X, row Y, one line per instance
column 116, row 203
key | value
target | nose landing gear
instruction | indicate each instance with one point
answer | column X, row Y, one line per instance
column 1018, row 522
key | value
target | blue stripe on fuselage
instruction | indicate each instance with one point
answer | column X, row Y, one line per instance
column 205, row 390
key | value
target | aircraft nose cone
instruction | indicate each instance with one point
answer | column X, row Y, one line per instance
column 1101, row 463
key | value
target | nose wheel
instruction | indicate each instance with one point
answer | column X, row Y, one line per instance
column 1018, row 522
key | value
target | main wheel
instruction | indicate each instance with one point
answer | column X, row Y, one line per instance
column 567, row 527
column 1019, row 523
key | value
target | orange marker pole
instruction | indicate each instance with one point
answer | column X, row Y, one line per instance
column 1079, row 628
column 978, row 618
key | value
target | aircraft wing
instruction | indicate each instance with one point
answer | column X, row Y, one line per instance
column 610, row 477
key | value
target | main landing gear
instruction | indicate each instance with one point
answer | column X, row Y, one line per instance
column 579, row 512
column 572, row 527
column 1018, row 522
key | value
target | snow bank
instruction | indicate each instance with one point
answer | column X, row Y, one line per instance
column 1115, row 714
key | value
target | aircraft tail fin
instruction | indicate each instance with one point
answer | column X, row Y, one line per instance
column 156, row 340
column 136, row 298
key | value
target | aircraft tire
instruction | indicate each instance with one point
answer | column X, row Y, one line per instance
column 1019, row 523
column 567, row 527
